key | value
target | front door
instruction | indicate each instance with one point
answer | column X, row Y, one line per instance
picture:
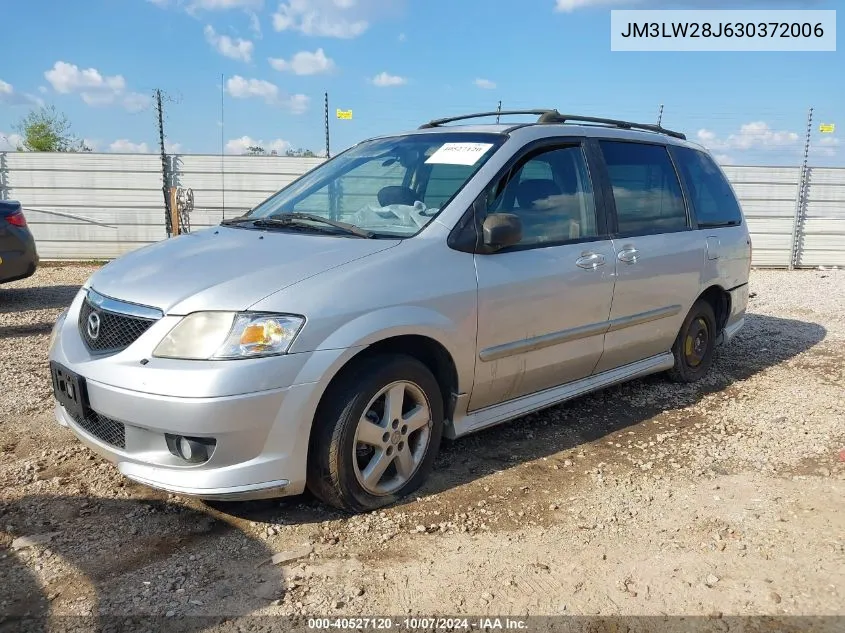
column 659, row 257
column 544, row 303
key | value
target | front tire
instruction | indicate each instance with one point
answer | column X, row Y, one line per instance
column 695, row 345
column 376, row 433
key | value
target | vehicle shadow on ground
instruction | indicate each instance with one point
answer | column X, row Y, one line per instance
column 36, row 298
column 33, row 329
column 152, row 555
column 764, row 342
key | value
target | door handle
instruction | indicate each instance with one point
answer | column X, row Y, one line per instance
column 628, row 254
column 590, row 261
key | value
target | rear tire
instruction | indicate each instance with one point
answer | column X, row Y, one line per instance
column 694, row 348
column 376, row 433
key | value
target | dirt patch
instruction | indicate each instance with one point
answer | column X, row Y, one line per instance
column 724, row 497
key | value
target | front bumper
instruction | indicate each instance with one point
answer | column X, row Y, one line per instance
column 261, row 440
column 261, row 433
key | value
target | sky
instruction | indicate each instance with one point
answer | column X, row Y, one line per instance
column 238, row 73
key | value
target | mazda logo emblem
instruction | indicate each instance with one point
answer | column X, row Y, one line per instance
column 93, row 325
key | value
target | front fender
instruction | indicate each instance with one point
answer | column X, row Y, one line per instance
column 378, row 325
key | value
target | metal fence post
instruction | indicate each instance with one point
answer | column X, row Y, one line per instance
column 798, row 217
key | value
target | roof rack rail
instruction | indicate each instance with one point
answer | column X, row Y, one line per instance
column 553, row 116
column 479, row 115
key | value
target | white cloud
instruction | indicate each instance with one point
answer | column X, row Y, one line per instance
column 385, row 80
column 9, row 96
column 136, row 101
column 240, row 145
column 402, row 37
column 568, row 6
column 757, row 135
column 254, row 24
column 826, row 146
column 10, row 142
column 326, row 18
column 223, row 5
column 486, row 84
column 234, row 48
column 305, row 63
column 66, row 78
column 93, row 87
column 724, row 159
column 172, row 148
column 297, row 103
column 124, row 146
column 242, row 88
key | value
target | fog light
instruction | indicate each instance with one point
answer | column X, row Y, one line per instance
column 195, row 450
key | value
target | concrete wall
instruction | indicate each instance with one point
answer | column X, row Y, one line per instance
column 98, row 206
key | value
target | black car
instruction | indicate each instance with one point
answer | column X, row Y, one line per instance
column 18, row 255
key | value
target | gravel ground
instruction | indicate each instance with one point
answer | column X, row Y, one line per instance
column 722, row 498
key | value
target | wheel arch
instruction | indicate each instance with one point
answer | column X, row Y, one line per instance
column 720, row 300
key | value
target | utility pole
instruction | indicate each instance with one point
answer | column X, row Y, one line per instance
column 660, row 116
column 164, row 169
column 800, row 198
column 328, row 148
column 334, row 193
column 222, row 146
column 498, row 111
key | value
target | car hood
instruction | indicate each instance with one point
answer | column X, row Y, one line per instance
column 225, row 268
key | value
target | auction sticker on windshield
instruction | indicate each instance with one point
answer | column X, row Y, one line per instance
column 459, row 153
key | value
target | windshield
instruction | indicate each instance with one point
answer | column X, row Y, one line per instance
column 391, row 186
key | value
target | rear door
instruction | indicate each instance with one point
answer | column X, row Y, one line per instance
column 718, row 217
column 660, row 257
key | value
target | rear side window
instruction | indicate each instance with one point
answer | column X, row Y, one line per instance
column 712, row 199
column 645, row 188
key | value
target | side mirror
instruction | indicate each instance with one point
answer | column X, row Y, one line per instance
column 501, row 230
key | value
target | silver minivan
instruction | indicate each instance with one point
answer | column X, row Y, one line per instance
column 416, row 286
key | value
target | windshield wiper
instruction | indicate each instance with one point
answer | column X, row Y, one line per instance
column 238, row 220
column 302, row 219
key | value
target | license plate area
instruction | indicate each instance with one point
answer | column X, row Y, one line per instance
column 69, row 389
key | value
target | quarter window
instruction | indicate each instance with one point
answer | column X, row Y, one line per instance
column 550, row 191
column 645, row 188
column 713, row 200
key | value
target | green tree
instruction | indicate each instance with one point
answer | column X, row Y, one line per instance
column 47, row 130
column 255, row 150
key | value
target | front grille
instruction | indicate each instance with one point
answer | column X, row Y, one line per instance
column 103, row 428
column 114, row 332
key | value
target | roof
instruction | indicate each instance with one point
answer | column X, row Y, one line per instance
column 532, row 131
column 553, row 123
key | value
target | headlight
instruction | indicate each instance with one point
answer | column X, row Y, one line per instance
column 228, row 335
column 54, row 333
